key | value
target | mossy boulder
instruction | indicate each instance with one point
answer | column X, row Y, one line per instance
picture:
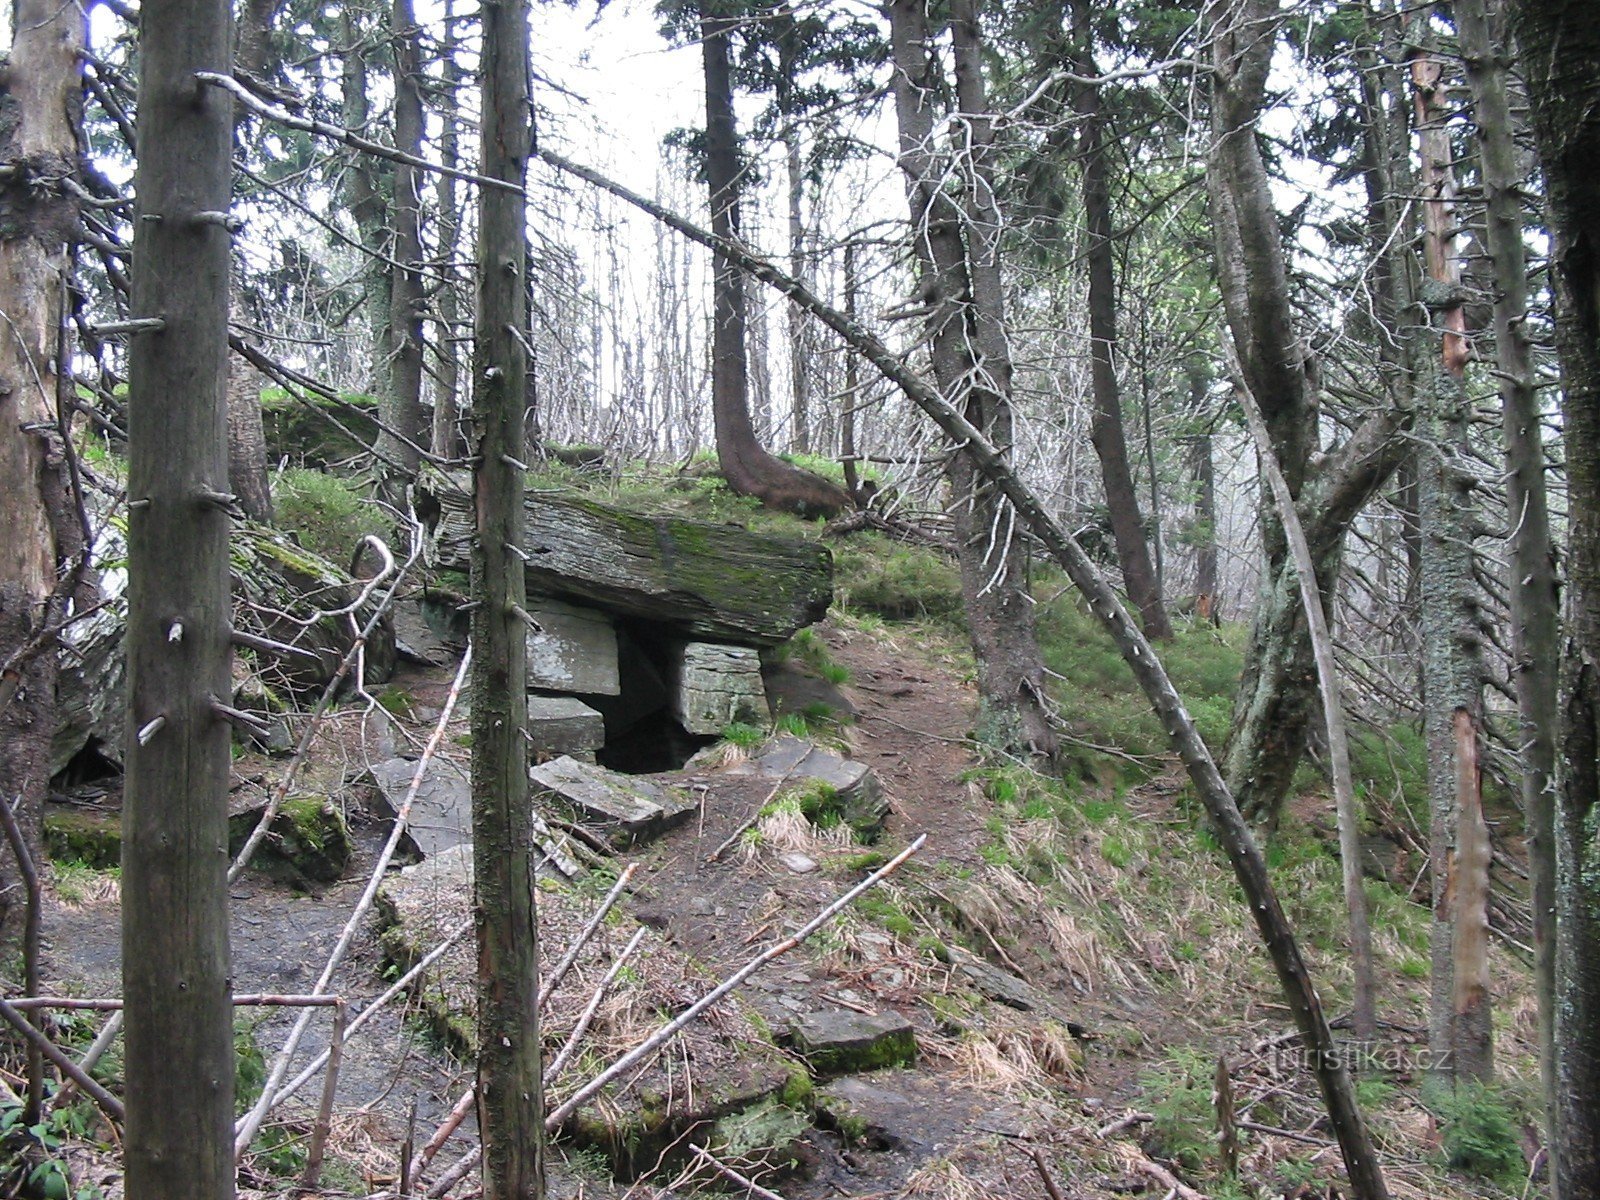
column 318, row 431
column 91, row 836
column 762, row 1142
column 309, row 840
column 719, row 582
column 843, row 1042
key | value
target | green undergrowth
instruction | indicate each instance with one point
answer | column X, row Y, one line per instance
column 1100, row 700
column 328, row 513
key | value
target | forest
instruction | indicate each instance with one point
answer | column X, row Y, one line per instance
column 788, row 598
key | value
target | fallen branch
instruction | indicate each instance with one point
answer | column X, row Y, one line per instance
column 673, row 1027
column 587, row 1017
column 107, row 1103
column 372, row 1010
column 548, row 987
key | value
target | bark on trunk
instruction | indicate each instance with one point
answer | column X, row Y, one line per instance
column 1106, row 428
column 247, row 442
column 363, row 198
column 956, row 241
column 447, row 441
column 749, row 469
column 1535, row 608
column 1207, row 603
column 402, row 399
column 1560, row 43
column 1459, row 1029
column 39, row 149
column 510, row 1084
column 176, row 967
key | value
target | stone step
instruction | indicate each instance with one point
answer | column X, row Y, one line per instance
column 630, row 808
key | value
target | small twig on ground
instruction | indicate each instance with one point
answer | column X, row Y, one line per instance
column 1124, row 1123
column 748, row 821
column 548, row 987
column 1291, row 1135
column 727, row 1172
column 672, row 1028
column 1044, row 1174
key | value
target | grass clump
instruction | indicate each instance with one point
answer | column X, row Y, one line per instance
column 328, row 513
column 896, row 582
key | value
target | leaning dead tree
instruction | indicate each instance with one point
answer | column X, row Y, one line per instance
column 176, row 966
column 1324, row 1056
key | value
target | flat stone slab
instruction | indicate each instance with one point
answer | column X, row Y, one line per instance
column 574, row 649
column 837, row 1042
column 861, row 799
column 441, row 813
column 633, row 808
column 713, row 685
column 560, row 725
column 414, row 639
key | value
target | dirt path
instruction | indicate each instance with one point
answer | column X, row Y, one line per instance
column 912, row 719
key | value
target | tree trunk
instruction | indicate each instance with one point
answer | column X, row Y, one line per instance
column 247, row 442
column 447, row 441
column 956, row 239
column 749, row 469
column 1106, row 429
column 176, row 967
column 852, row 382
column 510, row 1083
column 1276, row 700
column 1459, row 1029
column 1560, row 43
column 402, row 399
column 1207, row 603
column 39, row 149
column 363, row 198
column 1535, row 608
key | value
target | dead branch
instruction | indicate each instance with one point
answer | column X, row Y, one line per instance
column 334, row 133
column 104, row 1100
column 748, row 821
column 721, row 1168
column 587, row 1017
column 548, row 987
